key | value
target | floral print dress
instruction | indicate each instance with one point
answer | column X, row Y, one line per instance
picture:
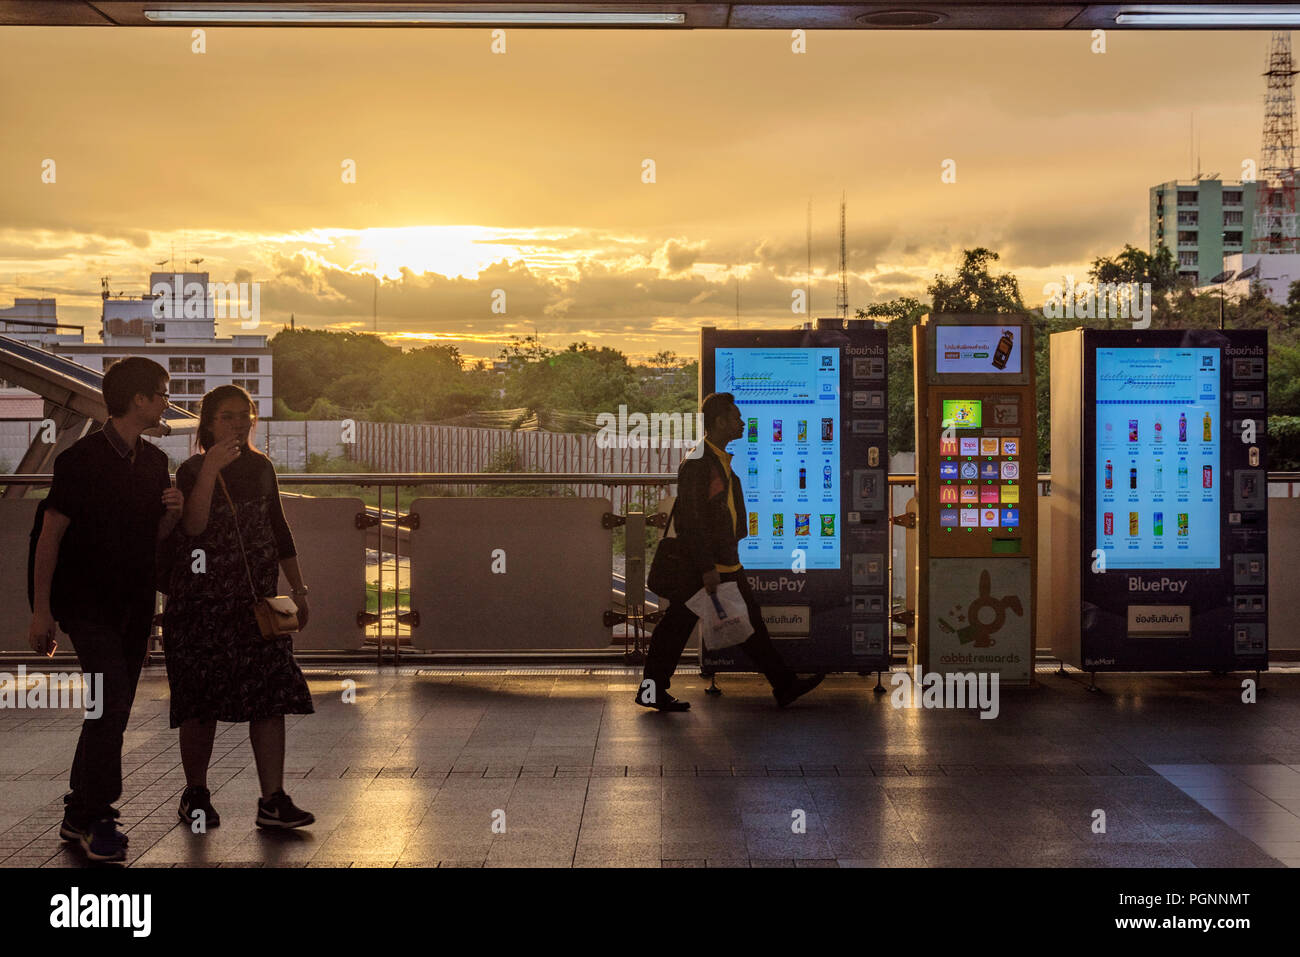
column 218, row 664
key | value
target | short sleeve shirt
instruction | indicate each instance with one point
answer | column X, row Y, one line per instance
column 112, row 497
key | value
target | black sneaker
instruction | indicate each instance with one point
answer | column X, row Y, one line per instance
column 279, row 811
column 72, row 827
column 664, row 702
column 75, row 823
column 104, row 842
column 198, row 799
column 797, row 687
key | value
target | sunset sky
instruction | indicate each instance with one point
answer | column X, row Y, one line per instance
column 523, row 171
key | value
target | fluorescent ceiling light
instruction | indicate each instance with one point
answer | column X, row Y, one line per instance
column 1211, row 15
column 397, row 17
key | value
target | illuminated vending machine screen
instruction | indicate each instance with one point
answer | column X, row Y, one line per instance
column 979, row 474
column 1157, row 464
column 976, row 349
column 788, row 459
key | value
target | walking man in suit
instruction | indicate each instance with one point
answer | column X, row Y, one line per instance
column 710, row 522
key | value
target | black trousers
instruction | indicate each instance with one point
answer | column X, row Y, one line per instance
column 116, row 654
column 674, row 630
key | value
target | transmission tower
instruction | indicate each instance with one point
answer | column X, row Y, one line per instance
column 1275, row 212
column 842, row 300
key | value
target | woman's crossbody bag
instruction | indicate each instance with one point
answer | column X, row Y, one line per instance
column 275, row 616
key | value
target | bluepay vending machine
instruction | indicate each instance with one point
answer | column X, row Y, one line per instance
column 977, row 501
column 1160, row 499
column 813, row 463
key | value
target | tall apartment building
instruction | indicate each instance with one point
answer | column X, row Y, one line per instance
column 1201, row 221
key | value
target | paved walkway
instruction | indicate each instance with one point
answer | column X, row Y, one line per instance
column 422, row 766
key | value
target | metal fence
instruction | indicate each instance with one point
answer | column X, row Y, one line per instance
column 396, row 447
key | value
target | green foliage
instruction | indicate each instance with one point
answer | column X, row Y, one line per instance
column 1134, row 265
column 507, row 460
column 974, row 289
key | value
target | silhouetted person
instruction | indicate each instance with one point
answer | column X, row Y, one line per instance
column 110, row 503
column 710, row 521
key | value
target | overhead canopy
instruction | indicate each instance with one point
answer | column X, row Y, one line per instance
column 759, row 14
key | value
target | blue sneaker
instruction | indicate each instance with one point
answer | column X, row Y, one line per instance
column 104, row 842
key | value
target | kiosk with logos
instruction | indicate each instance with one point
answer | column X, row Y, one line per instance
column 1160, row 500
column 814, row 467
column 976, row 489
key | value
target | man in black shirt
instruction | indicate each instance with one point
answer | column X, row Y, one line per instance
column 710, row 521
column 110, row 503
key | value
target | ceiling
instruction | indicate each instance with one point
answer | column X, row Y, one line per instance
column 753, row 14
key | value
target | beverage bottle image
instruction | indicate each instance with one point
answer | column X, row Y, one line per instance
column 753, row 475
column 776, row 478
column 1133, row 478
column 1160, row 476
column 1182, row 475
column 1132, row 523
column 778, row 523
column 753, row 430
column 1003, row 351
column 776, row 430
column 1132, row 430
column 1182, row 426
column 753, row 523
column 1182, row 523
column 803, row 430
column 1110, row 472
column 1207, row 477
column 1108, row 524
column 826, row 477
column 1207, row 428
column 1158, row 523
column 803, row 478
column 1160, row 433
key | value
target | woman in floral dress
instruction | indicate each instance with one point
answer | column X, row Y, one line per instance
column 219, row 666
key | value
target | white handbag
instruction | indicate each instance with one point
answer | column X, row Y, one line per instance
column 724, row 616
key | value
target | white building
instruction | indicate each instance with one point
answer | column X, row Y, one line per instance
column 1276, row 272
column 175, row 325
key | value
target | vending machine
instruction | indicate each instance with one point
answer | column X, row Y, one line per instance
column 1160, row 500
column 814, row 466
column 976, row 488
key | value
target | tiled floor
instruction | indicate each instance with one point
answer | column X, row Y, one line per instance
column 496, row 769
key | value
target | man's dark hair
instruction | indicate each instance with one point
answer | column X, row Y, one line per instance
column 129, row 377
column 715, row 404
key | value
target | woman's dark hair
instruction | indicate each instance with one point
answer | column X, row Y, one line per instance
column 208, row 410
column 716, row 404
column 129, row 377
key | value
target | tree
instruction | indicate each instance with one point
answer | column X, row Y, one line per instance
column 974, row 290
column 1133, row 265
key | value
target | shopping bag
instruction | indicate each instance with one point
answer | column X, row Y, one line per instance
column 724, row 617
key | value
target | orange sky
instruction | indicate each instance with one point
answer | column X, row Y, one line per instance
column 523, row 171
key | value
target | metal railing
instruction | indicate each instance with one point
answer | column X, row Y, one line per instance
column 390, row 520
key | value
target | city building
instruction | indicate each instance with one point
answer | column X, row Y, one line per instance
column 1201, row 221
column 1274, row 271
column 174, row 324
